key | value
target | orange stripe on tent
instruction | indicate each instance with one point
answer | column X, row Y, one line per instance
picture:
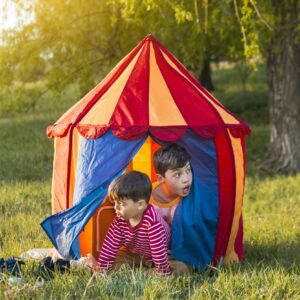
column 60, row 174
column 162, row 109
column 142, row 160
column 239, row 193
column 86, row 238
column 102, row 111
column 73, row 166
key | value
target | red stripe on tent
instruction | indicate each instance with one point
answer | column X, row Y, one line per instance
column 92, row 131
column 239, row 130
column 198, row 112
column 166, row 133
column 192, row 79
column 226, row 174
column 130, row 132
column 60, row 130
column 132, row 107
column 208, row 132
column 154, row 147
column 239, row 245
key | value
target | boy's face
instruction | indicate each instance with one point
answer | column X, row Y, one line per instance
column 127, row 208
column 178, row 181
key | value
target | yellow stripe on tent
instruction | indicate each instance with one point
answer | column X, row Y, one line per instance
column 163, row 110
column 240, row 176
column 142, row 160
column 102, row 111
column 226, row 117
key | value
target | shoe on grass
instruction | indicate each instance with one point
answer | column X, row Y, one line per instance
column 2, row 265
column 13, row 266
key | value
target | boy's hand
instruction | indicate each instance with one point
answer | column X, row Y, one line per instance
column 96, row 268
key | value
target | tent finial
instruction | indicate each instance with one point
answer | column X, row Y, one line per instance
column 149, row 37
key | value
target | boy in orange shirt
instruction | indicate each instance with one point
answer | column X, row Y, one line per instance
column 174, row 180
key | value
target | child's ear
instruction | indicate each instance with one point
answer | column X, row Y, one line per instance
column 160, row 178
column 141, row 203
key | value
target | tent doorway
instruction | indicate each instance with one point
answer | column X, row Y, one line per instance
column 92, row 237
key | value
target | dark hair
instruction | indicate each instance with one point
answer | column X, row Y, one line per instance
column 171, row 156
column 132, row 185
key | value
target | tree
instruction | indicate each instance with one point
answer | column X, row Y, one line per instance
column 284, row 87
column 279, row 41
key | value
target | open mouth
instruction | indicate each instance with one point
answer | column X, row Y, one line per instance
column 186, row 190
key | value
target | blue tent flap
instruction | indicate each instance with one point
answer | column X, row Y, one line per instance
column 195, row 221
column 100, row 161
column 194, row 226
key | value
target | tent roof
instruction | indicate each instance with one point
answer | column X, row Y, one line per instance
column 149, row 90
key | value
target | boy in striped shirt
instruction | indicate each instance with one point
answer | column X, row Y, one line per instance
column 137, row 226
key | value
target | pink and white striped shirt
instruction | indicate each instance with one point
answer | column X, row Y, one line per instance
column 149, row 239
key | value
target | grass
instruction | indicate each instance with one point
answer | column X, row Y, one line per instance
column 271, row 213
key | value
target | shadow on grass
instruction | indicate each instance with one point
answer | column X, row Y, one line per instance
column 285, row 255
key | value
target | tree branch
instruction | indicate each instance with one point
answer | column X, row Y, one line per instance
column 240, row 22
column 260, row 16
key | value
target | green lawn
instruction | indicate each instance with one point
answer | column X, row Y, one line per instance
column 271, row 212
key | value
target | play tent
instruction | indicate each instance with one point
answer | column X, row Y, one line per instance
column 147, row 100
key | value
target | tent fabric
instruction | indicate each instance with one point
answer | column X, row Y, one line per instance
column 93, row 168
column 151, row 94
column 197, row 215
column 196, row 218
column 128, row 101
column 226, row 177
column 195, row 226
column 64, row 227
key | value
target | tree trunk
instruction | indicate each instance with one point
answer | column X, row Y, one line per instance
column 205, row 74
column 284, row 89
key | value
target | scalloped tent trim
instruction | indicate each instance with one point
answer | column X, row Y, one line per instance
column 165, row 133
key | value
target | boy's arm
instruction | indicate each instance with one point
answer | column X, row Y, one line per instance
column 157, row 241
column 110, row 246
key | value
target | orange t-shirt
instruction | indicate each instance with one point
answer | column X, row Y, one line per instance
column 166, row 210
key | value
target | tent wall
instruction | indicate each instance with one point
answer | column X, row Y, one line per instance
column 60, row 174
column 227, row 181
column 235, row 249
column 230, row 153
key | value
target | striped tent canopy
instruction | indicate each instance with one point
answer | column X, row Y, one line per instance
column 148, row 91
column 147, row 100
